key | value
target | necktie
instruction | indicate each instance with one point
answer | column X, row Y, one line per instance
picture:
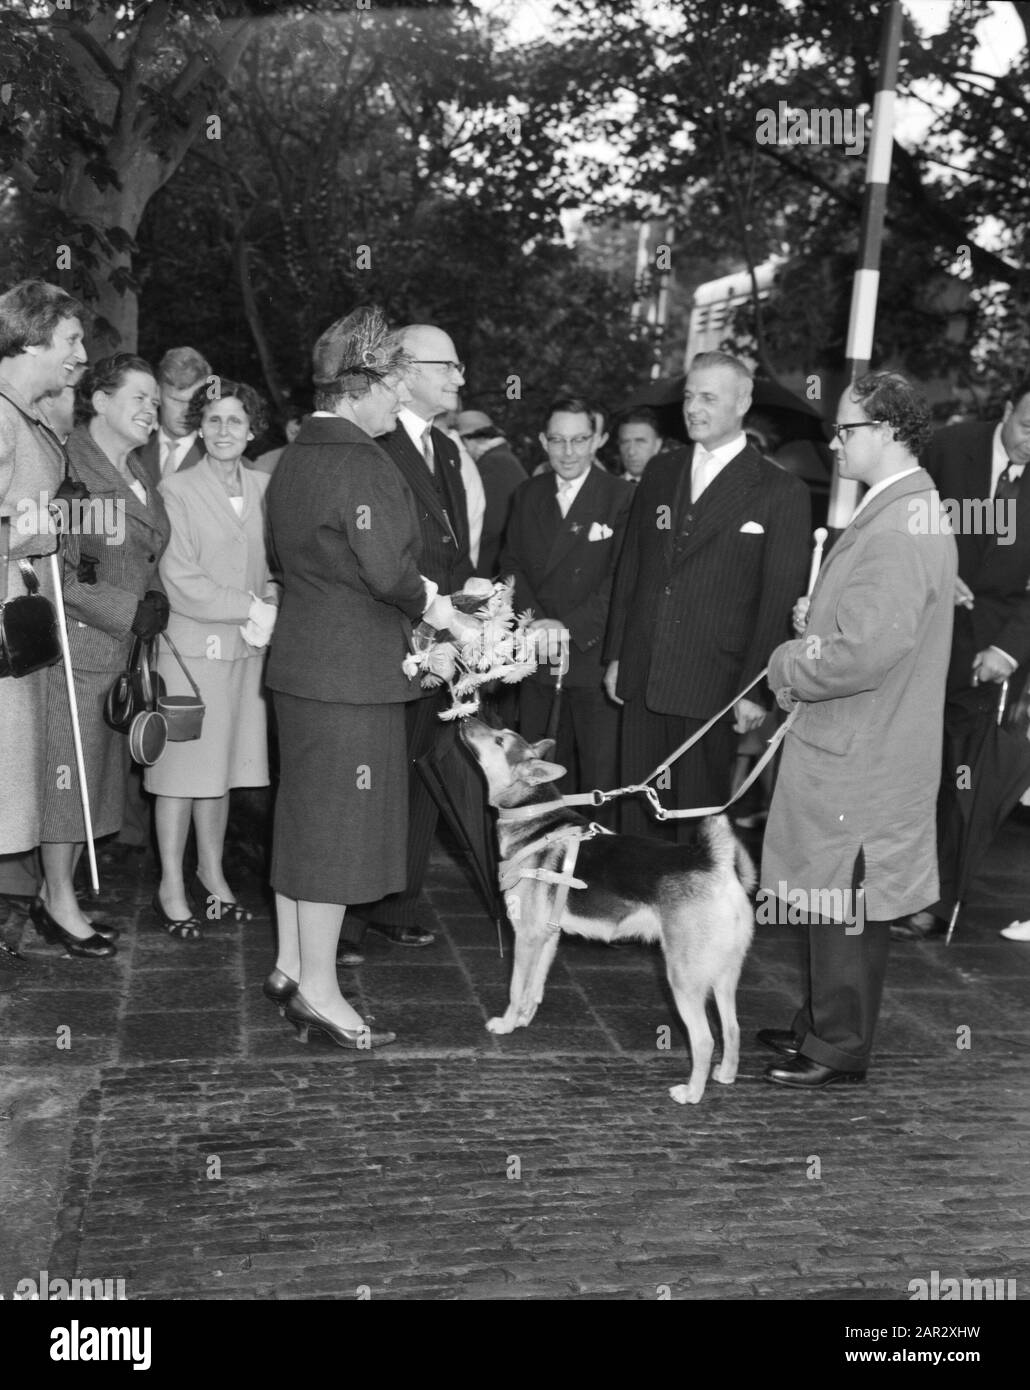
column 699, row 471
column 427, row 449
column 171, row 458
column 564, row 498
column 1008, row 483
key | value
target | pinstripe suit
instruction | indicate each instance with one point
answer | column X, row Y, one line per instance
column 100, row 620
column 443, row 523
column 699, row 603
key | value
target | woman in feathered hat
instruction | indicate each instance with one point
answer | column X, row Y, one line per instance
column 346, row 537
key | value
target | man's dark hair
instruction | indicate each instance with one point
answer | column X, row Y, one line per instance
column 1021, row 389
column 29, row 314
column 570, row 405
column 643, row 415
column 253, row 404
column 891, row 398
column 106, row 375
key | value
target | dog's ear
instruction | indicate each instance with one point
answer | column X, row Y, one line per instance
column 543, row 749
column 536, row 770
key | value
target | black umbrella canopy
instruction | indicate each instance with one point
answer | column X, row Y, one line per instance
column 790, row 416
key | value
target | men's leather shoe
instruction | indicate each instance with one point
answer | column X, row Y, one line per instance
column 920, row 926
column 403, row 936
column 780, row 1040
column 348, row 956
column 808, row 1075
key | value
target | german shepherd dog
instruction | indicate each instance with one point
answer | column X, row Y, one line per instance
column 691, row 898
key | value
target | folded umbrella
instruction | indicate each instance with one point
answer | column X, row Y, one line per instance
column 986, row 770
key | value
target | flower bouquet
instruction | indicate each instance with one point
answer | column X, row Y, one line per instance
column 485, row 642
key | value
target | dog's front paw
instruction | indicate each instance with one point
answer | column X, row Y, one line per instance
column 499, row 1025
column 686, row 1095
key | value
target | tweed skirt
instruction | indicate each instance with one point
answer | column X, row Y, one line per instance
column 341, row 812
column 104, row 752
column 232, row 750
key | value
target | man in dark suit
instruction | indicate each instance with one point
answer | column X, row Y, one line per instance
column 501, row 473
column 716, row 552
column 980, row 472
column 173, row 445
column 429, row 463
column 640, row 438
column 564, row 534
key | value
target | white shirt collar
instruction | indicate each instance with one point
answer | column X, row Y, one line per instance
column 573, row 486
column 414, row 426
column 881, row 486
column 999, row 460
column 721, row 456
column 183, row 444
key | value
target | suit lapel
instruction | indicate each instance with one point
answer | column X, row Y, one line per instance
column 416, row 471
column 720, row 505
column 574, row 523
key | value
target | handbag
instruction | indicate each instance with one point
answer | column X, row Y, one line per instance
column 135, row 690
column 184, row 714
column 29, row 636
column 130, row 706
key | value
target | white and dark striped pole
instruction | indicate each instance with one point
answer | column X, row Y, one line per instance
column 844, row 492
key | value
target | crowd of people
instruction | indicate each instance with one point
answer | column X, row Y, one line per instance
column 282, row 588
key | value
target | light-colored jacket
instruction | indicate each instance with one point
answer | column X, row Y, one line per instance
column 862, row 763
column 215, row 560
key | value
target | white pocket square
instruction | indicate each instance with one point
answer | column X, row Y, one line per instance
column 752, row 528
column 599, row 532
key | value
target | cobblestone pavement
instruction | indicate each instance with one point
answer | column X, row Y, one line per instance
column 161, row 1124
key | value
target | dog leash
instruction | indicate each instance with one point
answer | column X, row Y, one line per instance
column 598, row 798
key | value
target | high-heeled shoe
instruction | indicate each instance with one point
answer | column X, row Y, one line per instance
column 105, row 930
column 182, row 928
column 215, row 909
column 279, row 988
column 304, row 1018
column 93, row 947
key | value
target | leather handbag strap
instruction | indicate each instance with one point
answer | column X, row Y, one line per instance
column 182, row 666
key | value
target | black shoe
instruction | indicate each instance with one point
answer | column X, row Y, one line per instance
column 348, row 956
column 921, row 926
column 404, row 936
column 804, row 1073
column 94, row 947
column 215, row 909
column 181, row 928
column 781, row 1040
column 279, row 988
column 105, row 930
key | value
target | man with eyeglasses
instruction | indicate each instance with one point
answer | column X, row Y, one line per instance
column 850, row 843
column 716, row 553
column 428, row 461
column 564, row 534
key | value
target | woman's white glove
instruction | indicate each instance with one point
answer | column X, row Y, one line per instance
column 440, row 613
column 257, row 631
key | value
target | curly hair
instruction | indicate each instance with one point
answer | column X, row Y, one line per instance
column 106, row 375
column 891, row 398
column 216, row 389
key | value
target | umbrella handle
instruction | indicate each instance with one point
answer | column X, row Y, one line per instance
column 819, row 535
column 73, row 706
column 1003, row 695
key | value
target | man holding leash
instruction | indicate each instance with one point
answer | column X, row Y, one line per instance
column 715, row 554
column 850, row 842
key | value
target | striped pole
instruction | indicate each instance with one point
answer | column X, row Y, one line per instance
column 844, row 492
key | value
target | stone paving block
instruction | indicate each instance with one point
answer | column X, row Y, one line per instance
column 186, row 1034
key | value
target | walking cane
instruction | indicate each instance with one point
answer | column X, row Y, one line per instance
column 80, row 764
column 819, row 535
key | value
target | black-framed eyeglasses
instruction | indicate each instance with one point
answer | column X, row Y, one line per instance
column 841, row 432
column 440, row 362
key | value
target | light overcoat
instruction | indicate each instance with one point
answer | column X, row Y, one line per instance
column 862, row 762
column 30, row 474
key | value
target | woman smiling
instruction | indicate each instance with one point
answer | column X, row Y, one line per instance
column 224, row 607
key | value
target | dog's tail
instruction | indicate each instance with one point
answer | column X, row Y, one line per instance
column 726, row 850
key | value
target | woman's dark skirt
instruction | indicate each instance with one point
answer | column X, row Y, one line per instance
column 341, row 812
